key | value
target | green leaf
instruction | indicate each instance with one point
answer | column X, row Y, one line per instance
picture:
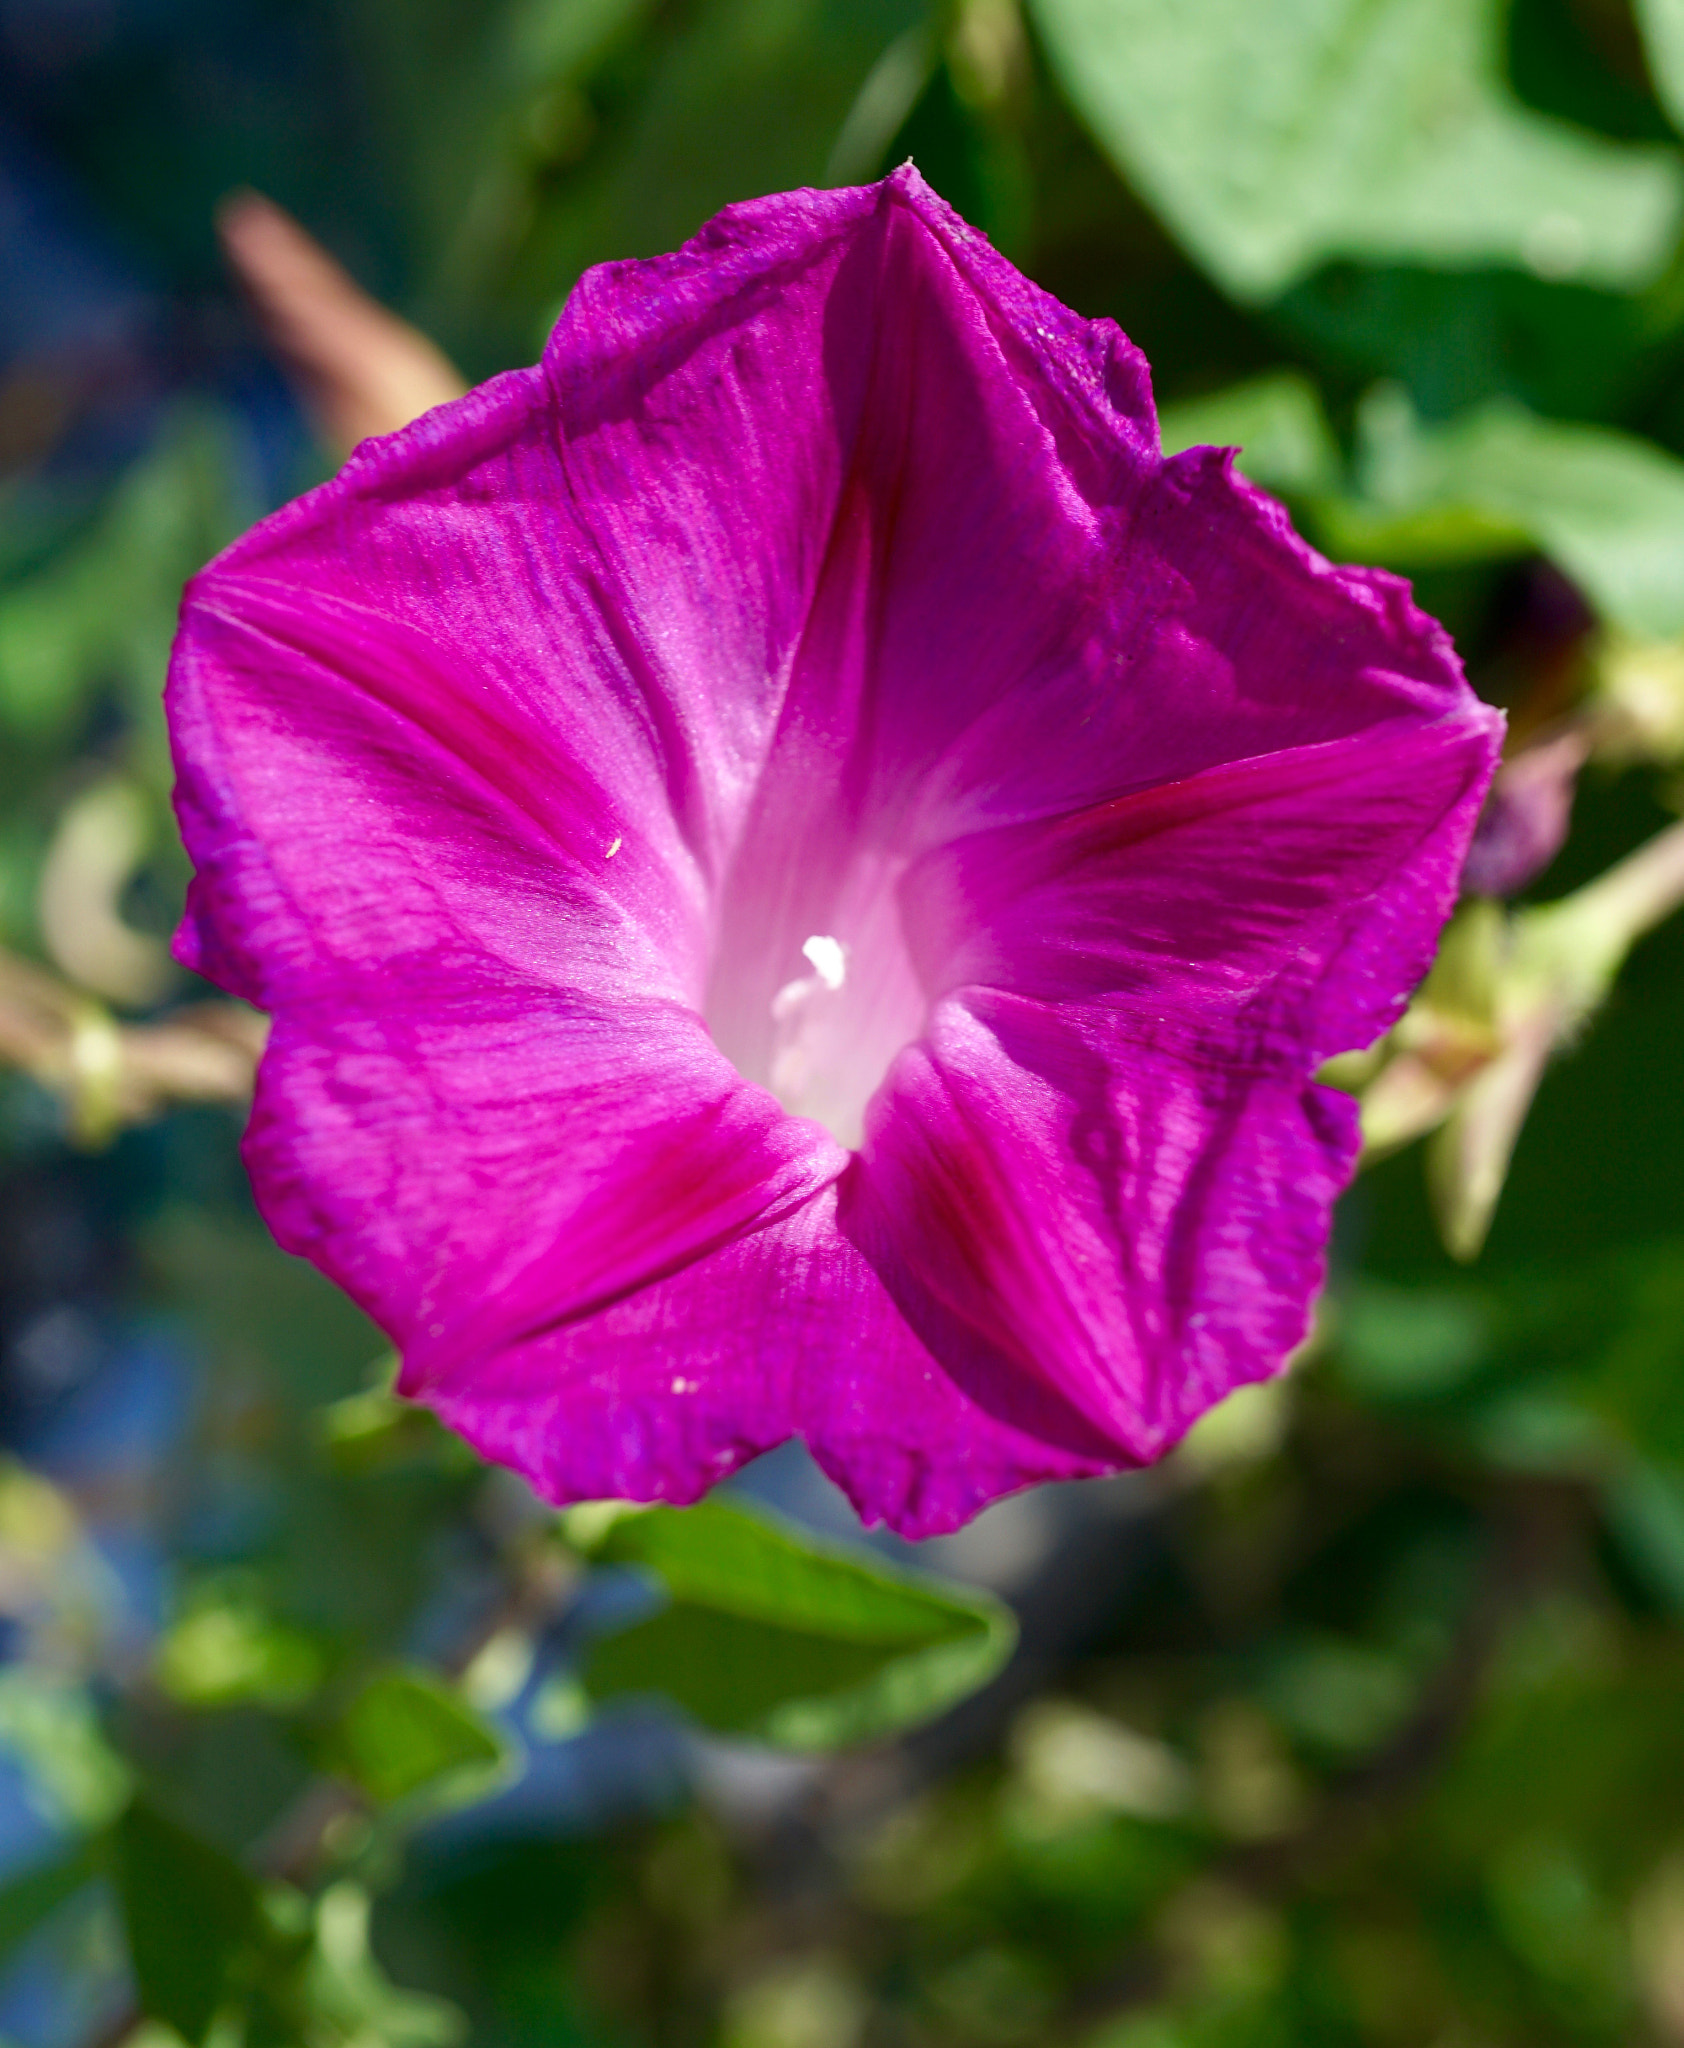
column 376, row 1430
column 542, row 40
column 190, row 1913
column 1338, row 1694
column 104, row 607
column 1644, row 1506
column 408, row 1735
column 1272, row 138
column 892, row 89
column 27, row 1899
column 1662, row 26
column 226, row 1649
column 518, row 210
column 1545, row 1429
column 773, row 1633
column 349, row 1997
column 1275, row 421
column 1588, row 1752
column 1631, row 1380
column 49, row 1725
column 1396, row 1343
column 1607, row 508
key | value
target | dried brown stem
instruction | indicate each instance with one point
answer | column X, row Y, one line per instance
column 114, row 1074
column 361, row 370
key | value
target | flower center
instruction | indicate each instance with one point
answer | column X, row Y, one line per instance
column 820, row 1021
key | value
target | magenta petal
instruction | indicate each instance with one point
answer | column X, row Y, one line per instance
column 811, row 675
column 488, row 1101
column 1283, row 904
column 1137, row 1225
column 1106, row 1154
column 477, row 1164
column 787, row 1330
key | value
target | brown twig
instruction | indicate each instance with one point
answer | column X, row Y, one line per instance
column 113, row 1074
column 361, row 370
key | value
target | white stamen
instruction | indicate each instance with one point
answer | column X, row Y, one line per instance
column 827, row 958
column 614, row 849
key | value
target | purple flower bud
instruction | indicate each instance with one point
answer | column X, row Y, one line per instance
column 1526, row 815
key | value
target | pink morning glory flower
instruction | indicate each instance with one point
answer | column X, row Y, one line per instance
column 802, row 874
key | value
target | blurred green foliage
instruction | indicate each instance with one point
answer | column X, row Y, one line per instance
column 1272, row 141
column 1360, row 1723
column 767, row 1634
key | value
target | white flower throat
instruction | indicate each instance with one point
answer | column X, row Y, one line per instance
column 836, row 1030
column 818, row 1019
